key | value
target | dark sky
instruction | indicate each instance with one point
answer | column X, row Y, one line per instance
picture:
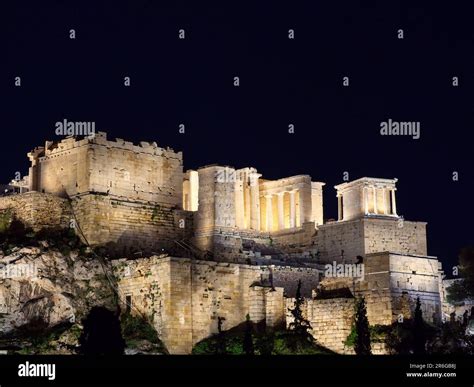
column 283, row 81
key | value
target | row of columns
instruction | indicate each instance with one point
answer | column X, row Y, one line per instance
column 386, row 210
column 247, row 201
column 281, row 210
column 277, row 213
column 389, row 206
column 254, row 204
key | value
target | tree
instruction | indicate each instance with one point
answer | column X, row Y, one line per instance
column 300, row 325
column 464, row 288
column 362, row 340
column 102, row 334
column 221, row 345
column 419, row 334
column 248, row 340
column 266, row 342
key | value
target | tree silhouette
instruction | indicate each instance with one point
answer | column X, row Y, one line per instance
column 300, row 325
column 102, row 334
column 362, row 342
column 221, row 345
column 419, row 334
column 248, row 341
column 464, row 287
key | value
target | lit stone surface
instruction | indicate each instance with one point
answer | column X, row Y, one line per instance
column 263, row 235
column 185, row 297
column 366, row 196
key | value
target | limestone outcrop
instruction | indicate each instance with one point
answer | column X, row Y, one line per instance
column 51, row 286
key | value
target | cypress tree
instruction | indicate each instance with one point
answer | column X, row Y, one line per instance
column 300, row 325
column 362, row 343
column 248, row 341
column 419, row 336
column 221, row 345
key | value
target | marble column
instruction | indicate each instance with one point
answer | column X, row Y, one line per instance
column 292, row 209
column 366, row 200
column 394, row 204
column 239, row 202
column 281, row 211
column 246, row 203
column 269, row 212
column 339, row 207
column 374, row 190
column 254, row 201
column 302, row 209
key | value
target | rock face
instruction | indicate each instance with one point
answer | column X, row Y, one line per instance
column 47, row 285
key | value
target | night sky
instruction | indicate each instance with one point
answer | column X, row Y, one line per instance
column 282, row 82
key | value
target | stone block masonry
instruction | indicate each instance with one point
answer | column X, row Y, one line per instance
column 369, row 235
column 125, row 226
column 136, row 199
column 330, row 319
column 120, row 168
column 391, row 285
column 38, row 210
column 129, row 226
column 125, row 196
column 185, row 297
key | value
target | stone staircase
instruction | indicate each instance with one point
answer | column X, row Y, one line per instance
column 187, row 249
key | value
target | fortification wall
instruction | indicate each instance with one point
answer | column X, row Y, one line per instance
column 287, row 278
column 391, row 285
column 330, row 319
column 331, row 238
column 403, row 237
column 38, row 210
column 417, row 277
column 144, row 172
column 369, row 235
column 64, row 170
column 403, row 279
column 185, row 297
column 129, row 226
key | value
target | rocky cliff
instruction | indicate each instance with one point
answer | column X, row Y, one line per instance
column 47, row 280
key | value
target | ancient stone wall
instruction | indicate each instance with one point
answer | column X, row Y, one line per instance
column 227, row 243
column 331, row 238
column 216, row 205
column 60, row 168
column 131, row 226
column 391, row 285
column 403, row 237
column 378, row 297
column 186, row 297
column 298, row 237
column 38, row 210
column 144, row 284
column 196, row 294
column 120, row 168
column 287, row 277
column 415, row 276
column 330, row 319
column 369, row 235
